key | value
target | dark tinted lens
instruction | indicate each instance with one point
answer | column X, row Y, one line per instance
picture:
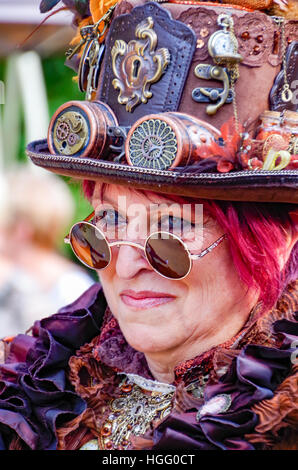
column 90, row 246
column 167, row 255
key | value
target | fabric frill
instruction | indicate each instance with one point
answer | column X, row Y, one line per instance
column 36, row 396
column 255, row 374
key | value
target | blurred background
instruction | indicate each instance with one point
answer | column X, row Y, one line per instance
column 38, row 273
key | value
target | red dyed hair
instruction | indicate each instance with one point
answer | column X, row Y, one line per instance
column 257, row 234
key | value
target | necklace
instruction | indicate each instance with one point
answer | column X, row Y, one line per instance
column 131, row 414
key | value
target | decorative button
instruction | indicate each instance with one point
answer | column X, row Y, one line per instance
column 109, row 445
column 106, row 429
column 200, row 44
column 245, row 36
column 218, row 404
column 204, row 32
column 260, row 38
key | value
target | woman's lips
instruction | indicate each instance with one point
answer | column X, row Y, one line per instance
column 145, row 299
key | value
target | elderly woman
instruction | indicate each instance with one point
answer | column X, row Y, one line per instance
column 188, row 340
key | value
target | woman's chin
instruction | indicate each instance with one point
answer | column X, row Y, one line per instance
column 147, row 338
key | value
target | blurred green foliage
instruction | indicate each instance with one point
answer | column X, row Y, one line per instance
column 60, row 88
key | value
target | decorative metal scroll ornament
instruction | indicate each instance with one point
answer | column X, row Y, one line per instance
column 137, row 65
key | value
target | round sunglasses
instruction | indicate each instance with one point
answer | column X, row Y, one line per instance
column 165, row 252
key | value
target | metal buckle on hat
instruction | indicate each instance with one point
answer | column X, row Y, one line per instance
column 214, row 95
column 119, row 135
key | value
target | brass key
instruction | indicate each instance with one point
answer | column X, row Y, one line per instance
column 86, row 33
column 71, row 52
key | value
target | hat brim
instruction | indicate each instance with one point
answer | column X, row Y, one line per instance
column 255, row 185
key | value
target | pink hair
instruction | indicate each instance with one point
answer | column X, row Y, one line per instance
column 257, row 234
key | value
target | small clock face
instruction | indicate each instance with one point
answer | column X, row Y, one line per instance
column 220, row 43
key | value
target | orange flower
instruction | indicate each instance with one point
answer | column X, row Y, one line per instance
column 225, row 154
column 99, row 7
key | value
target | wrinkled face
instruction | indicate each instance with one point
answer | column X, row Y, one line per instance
column 154, row 313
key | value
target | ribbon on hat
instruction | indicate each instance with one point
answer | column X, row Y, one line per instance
column 273, row 156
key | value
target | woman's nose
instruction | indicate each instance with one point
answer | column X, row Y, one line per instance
column 130, row 261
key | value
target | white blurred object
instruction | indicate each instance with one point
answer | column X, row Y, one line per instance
column 35, row 280
column 24, row 87
column 22, row 302
column 3, row 195
column 34, row 96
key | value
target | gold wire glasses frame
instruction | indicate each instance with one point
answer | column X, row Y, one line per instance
column 191, row 257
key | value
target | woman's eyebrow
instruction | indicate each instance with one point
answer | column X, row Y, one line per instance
column 153, row 209
column 106, row 204
column 168, row 209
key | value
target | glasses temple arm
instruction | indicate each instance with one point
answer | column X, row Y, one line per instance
column 67, row 237
column 210, row 248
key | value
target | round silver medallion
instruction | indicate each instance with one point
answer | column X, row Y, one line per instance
column 216, row 405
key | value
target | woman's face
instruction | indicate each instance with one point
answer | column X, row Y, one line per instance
column 157, row 314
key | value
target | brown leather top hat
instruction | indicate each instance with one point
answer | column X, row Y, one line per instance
column 184, row 97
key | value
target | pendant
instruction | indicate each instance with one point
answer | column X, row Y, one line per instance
column 132, row 413
column 286, row 94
